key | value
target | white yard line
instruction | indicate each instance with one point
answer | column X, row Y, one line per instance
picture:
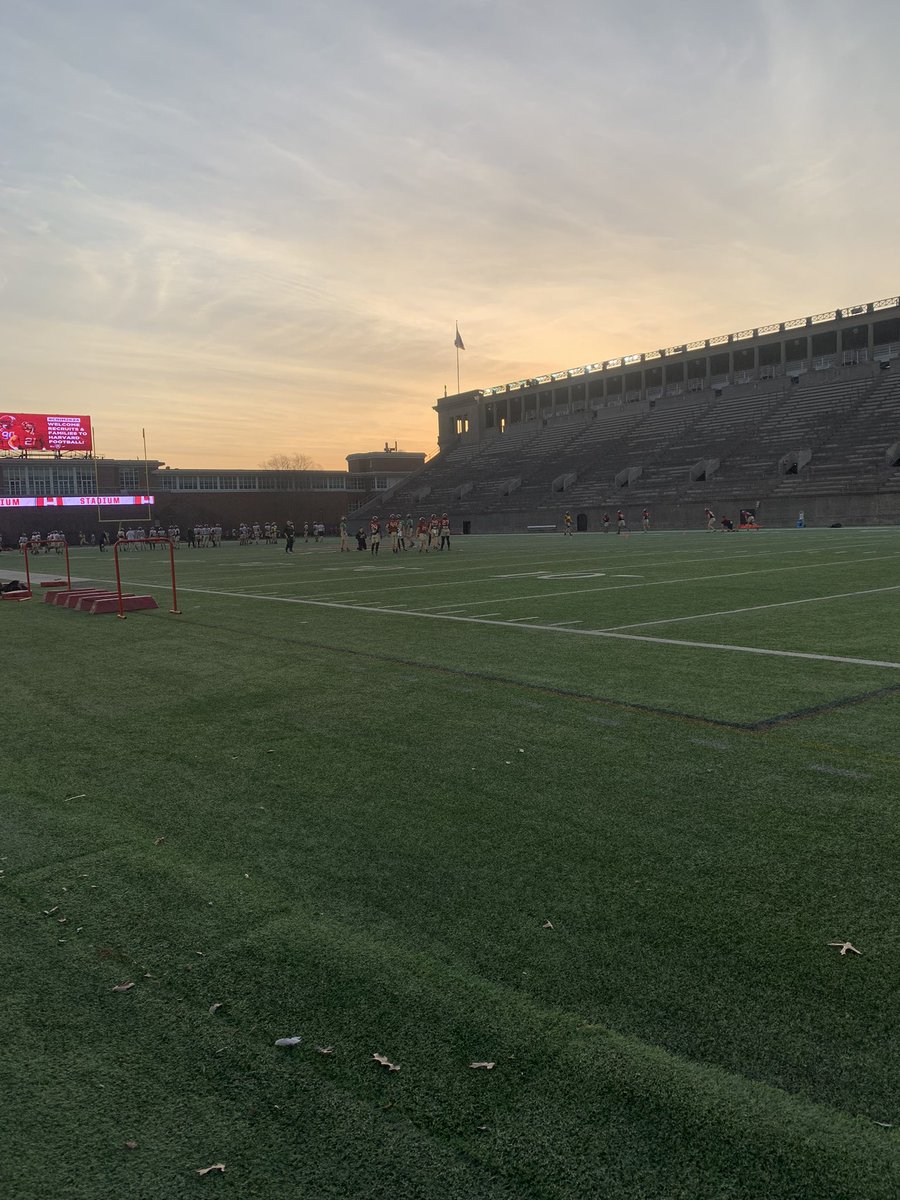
column 455, row 581
column 618, row 587
column 729, row 612
column 540, row 596
column 600, row 633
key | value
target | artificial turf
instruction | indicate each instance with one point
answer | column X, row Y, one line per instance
column 368, row 816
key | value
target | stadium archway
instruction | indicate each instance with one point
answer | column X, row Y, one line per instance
column 581, row 523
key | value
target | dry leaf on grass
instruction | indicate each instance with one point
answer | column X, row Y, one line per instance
column 131, row 1145
column 214, row 1167
column 123, row 987
column 547, row 925
column 48, row 912
column 846, row 948
column 288, row 1041
column 158, row 841
column 482, row 1066
column 385, row 1062
column 214, row 1008
column 325, row 1049
column 61, row 920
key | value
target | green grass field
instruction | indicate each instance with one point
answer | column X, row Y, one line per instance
column 341, row 797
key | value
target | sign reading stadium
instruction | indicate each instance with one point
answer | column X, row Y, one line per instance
column 72, row 501
column 23, row 432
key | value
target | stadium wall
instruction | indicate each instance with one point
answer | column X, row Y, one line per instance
column 187, row 497
column 852, row 510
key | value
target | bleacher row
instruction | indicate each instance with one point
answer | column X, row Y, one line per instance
column 843, row 421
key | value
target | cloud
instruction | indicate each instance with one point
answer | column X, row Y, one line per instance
column 219, row 208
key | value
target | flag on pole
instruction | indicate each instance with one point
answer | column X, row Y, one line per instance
column 458, row 342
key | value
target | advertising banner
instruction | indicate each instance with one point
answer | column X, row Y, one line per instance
column 73, row 501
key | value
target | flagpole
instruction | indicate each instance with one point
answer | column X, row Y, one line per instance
column 457, row 357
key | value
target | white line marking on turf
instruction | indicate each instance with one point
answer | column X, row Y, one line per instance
column 838, row 771
column 729, row 612
column 618, row 587
column 602, row 633
column 710, row 559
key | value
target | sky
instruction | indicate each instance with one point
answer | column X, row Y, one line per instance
column 249, row 226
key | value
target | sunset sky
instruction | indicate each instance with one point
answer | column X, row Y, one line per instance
column 250, row 225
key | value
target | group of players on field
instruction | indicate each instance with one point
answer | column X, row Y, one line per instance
column 606, row 522
column 427, row 533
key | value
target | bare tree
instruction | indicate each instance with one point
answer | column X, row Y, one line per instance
column 290, row 462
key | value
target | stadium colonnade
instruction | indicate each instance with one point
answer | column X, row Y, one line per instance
column 799, row 415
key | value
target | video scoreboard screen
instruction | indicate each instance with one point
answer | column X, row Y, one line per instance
column 22, row 432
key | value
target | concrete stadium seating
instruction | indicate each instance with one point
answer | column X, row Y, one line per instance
column 757, row 438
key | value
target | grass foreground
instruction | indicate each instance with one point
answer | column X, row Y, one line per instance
column 454, row 810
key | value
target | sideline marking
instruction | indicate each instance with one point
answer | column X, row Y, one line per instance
column 837, row 771
column 602, row 633
column 455, row 581
column 728, row 612
column 618, row 587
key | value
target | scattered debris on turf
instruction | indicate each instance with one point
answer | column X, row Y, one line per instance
column 485, row 1066
column 131, row 1145
column 158, row 841
column 325, row 1049
column 214, row 1008
column 123, row 987
column 214, row 1167
column 385, row 1062
column 80, row 796
column 547, row 925
column 288, row 1041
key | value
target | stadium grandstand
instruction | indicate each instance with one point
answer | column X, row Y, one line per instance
column 801, row 415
